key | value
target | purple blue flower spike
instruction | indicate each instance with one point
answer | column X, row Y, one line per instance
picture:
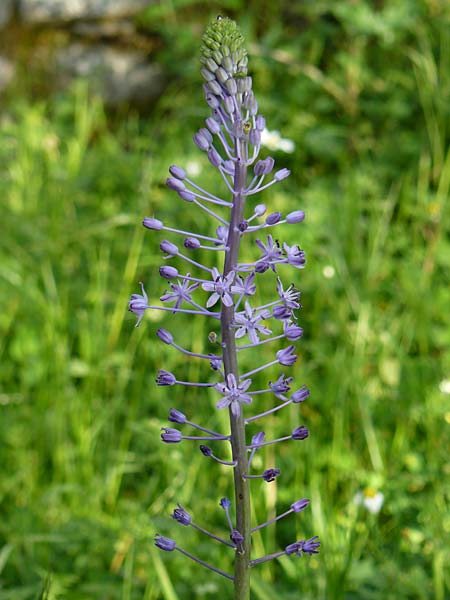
column 223, row 291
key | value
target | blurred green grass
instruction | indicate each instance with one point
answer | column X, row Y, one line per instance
column 364, row 94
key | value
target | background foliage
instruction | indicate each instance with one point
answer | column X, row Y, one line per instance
column 363, row 88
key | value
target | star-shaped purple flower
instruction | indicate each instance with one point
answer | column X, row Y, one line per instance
column 247, row 322
column 233, row 393
column 270, row 251
column 290, row 296
column 181, row 291
column 220, row 288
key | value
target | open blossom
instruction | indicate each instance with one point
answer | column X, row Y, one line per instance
column 248, row 322
column 220, row 287
column 233, row 393
column 180, row 292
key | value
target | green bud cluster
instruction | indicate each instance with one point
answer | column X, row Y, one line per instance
column 223, row 54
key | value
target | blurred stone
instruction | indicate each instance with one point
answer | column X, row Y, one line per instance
column 6, row 10
column 49, row 11
column 118, row 75
column 104, row 29
column 7, row 71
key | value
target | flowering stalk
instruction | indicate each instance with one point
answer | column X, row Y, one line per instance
column 231, row 140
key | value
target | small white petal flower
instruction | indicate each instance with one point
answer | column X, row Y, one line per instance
column 371, row 499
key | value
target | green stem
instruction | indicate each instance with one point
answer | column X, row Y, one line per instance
column 238, row 441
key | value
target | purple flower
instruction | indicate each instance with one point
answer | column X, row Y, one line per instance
column 303, row 547
column 171, row 436
column 181, row 291
column 225, row 503
column 292, row 331
column 273, row 218
column 300, row 395
column 236, row 537
column 271, row 474
column 233, row 393
column 247, row 322
column 286, row 357
column 294, row 256
column 310, row 546
column 282, row 312
column 300, row 433
column 165, row 336
column 295, row 217
column 300, row 505
column 155, row 224
column 164, row 543
column 258, row 439
column 138, row 304
column 177, row 172
column 270, row 251
column 281, row 174
column 175, row 416
column 290, row 296
column 205, row 450
column 180, row 515
column 169, row 248
column 245, row 287
column 168, row 272
column 220, row 288
column 191, row 243
column 165, row 378
column 281, row 385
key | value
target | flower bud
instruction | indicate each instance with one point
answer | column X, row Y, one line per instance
column 165, row 378
column 175, row 184
column 300, row 395
column 231, row 87
column 214, row 87
column 164, row 543
column 187, row 195
column 229, row 104
column 212, row 125
column 221, row 75
column 281, row 174
column 168, row 248
column 170, row 435
column 259, row 210
column 255, row 137
column 191, row 243
column 177, row 172
column 180, row 515
column 273, row 218
column 206, row 74
column 201, row 142
column 212, row 100
column 300, row 433
column 271, row 474
column 260, row 123
column 175, row 416
column 168, row 272
column 154, row 224
column 165, row 336
column 295, row 217
column 228, row 167
column 300, row 505
column 214, row 157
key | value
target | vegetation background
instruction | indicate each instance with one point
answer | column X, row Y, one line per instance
column 363, row 90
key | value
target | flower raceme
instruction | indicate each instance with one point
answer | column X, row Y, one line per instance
column 231, row 140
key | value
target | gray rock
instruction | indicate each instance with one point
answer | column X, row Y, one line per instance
column 46, row 11
column 7, row 72
column 6, row 9
column 118, row 75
